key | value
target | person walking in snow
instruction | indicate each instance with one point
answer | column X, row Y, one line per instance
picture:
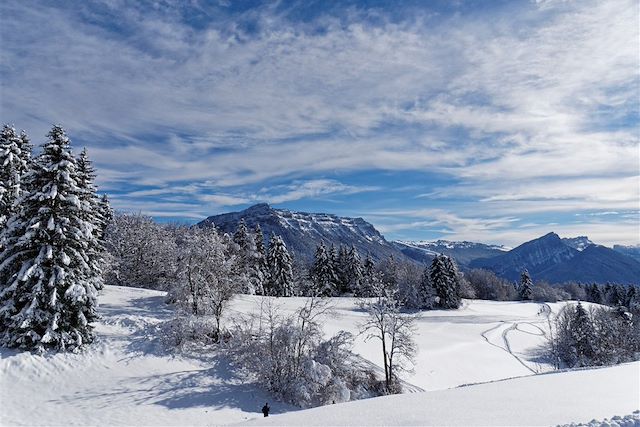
column 265, row 409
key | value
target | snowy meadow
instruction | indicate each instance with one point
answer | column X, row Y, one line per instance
column 303, row 212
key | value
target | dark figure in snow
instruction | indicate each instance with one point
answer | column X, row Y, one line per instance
column 265, row 409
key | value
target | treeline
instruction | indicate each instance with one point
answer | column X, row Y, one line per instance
column 146, row 254
column 595, row 337
column 51, row 243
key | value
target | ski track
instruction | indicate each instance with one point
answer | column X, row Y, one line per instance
column 514, row 326
column 126, row 377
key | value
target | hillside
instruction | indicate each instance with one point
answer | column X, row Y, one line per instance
column 462, row 252
column 559, row 260
column 303, row 232
column 557, row 398
column 128, row 378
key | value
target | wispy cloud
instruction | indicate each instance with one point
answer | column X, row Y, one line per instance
column 531, row 111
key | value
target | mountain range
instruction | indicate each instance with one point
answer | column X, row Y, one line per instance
column 549, row 257
column 302, row 232
column 558, row 260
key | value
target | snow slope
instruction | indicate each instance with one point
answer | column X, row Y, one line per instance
column 127, row 378
column 552, row 399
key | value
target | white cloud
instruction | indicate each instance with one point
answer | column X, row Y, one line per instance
column 526, row 111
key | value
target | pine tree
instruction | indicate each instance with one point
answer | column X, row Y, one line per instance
column 48, row 297
column 526, row 286
column 322, row 273
column 584, row 336
column 15, row 157
column 426, row 292
column 261, row 272
column 354, row 271
column 91, row 212
column 595, row 294
column 370, row 278
column 280, row 281
column 342, row 269
column 244, row 249
column 242, row 238
column 106, row 213
column 444, row 279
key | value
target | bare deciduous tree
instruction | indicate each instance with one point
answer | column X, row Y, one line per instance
column 395, row 332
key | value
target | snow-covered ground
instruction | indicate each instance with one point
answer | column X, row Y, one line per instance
column 127, row 378
column 552, row 399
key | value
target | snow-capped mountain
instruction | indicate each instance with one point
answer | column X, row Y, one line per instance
column 557, row 260
column 463, row 252
column 631, row 251
column 303, row 231
column 579, row 243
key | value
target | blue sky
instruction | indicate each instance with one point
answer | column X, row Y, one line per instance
column 488, row 121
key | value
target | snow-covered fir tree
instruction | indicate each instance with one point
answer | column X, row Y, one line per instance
column 323, row 274
column 261, row 272
column 242, row 238
column 92, row 212
column 584, row 336
column 48, row 296
column 444, row 279
column 525, row 290
column 243, row 249
column 342, row 270
column 426, row 293
column 106, row 212
column 352, row 270
column 280, row 279
column 595, row 295
column 370, row 278
column 15, row 157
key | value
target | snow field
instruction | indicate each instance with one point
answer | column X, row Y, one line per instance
column 128, row 378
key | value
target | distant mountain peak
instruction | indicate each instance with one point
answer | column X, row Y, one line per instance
column 559, row 260
column 580, row 243
column 303, row 231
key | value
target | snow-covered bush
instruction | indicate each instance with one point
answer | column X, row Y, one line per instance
column 206, row 274
column 186, row 330
column 632, row 420
column 544, row 292
column 142, row 252
column 288, row 356
column 488, row 286
column 601, row 336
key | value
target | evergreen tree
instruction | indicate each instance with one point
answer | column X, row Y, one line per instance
column 48, row 297
column 242, row 238
column 243, row 249
column 584, row 336
column 106, row 214
column 342, row 270
column 280, row 281
column 354, row 274
column 92, row 213
column 445, row 282
column 426, row 292
column 15, row 157
column 526, row 286
column 261, row 272
column 631, row 297
column 370, row 278
column 323, row 274
column 595, row 294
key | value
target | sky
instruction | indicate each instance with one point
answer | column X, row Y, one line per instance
column 493, row 122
